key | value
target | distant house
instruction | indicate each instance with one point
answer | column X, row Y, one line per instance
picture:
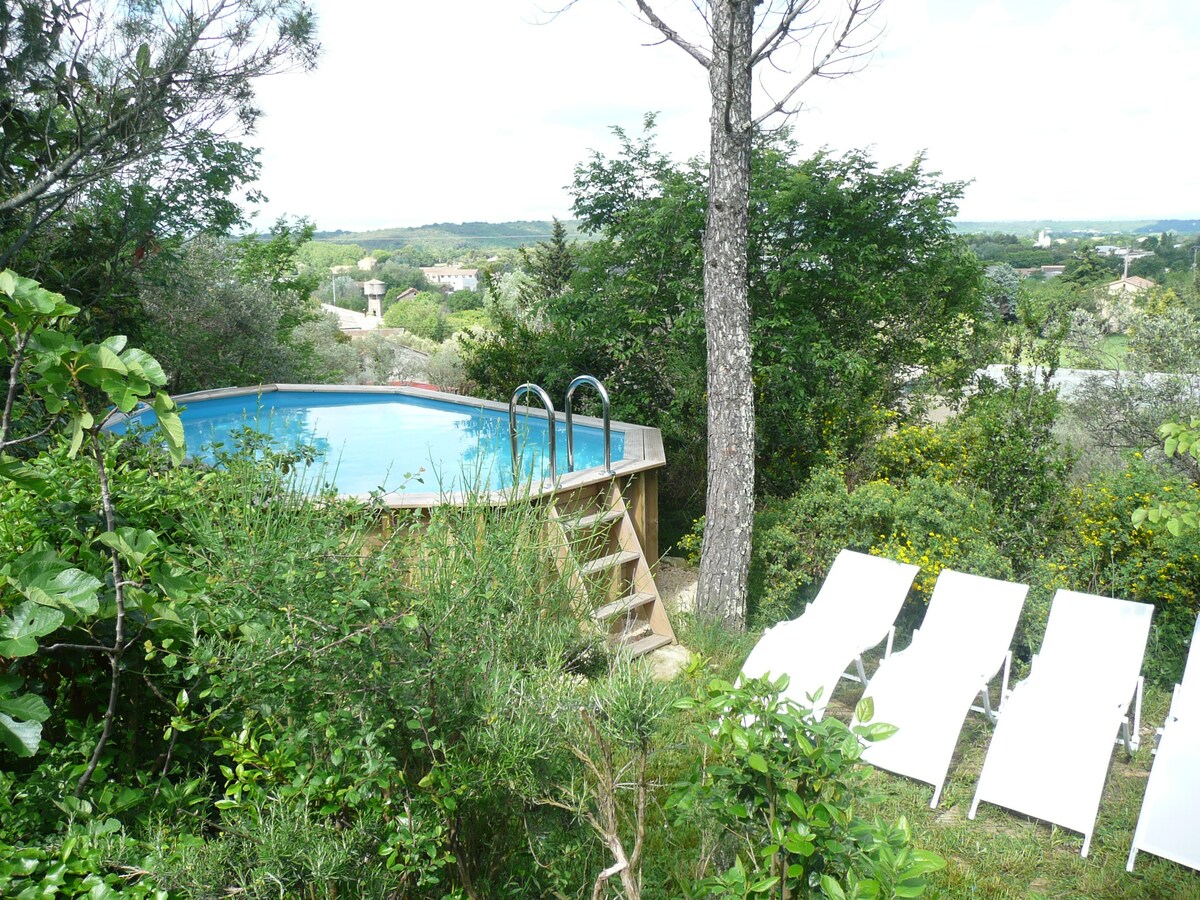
column 447, row 276
column 340, row 270
column 406, row 294
column 1052, row 271
column 1134, row 284
column 367, row 263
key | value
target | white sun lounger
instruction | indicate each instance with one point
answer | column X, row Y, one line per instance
column 1050, row 753
column 926, row 690
column 1169, row 825
column 853, row 612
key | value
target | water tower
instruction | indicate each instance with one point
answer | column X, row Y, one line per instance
column 375, row 289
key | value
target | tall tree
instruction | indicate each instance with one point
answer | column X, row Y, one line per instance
column 549, row 265
column 783, row 28
column 91, row 88
column 118, row 133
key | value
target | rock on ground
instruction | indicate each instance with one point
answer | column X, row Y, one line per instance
column 676, row 582
column 667, row 662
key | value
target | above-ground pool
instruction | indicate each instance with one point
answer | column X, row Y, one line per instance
column 404, row 442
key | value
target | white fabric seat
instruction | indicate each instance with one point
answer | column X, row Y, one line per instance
column 1169, row 824
column 853, row 612
column 1050, row 753
column 926, row 690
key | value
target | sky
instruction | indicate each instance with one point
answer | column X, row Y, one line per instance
column 479, row 110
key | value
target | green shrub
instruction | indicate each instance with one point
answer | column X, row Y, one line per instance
column 938, row 526
column 922, row 520
column 1002, row 446
column 796, row 540
column 777, row 797
column 1100, row 552
column 423, row 316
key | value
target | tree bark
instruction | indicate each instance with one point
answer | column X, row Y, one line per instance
column 725, row 554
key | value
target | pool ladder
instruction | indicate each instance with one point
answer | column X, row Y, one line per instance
column 540, row 392
column 599, row 550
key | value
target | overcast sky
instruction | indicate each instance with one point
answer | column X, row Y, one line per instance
column 479, row 110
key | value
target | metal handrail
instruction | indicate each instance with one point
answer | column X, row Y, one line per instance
column 530, row 388
column 594, row 382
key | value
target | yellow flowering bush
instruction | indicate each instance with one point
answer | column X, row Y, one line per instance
column 1101, row 553
column 921, row 520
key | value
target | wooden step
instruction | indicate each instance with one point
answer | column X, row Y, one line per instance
column 612, row 561
column 644, row 645
column 591, row 521
column 622, row 606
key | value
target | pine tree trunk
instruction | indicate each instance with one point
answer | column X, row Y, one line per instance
column 725, row 555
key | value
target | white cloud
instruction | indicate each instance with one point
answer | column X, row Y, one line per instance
column 423, row 112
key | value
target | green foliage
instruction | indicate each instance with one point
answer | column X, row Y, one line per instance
column 220, row 317
column 1000, row 290
column 827, row 374
column 550, row 267
column 274, row 263
column 980, row 493
column 1177, row 515
column 1122, row 411
column 1012, row 453
column 318, row 257
column 79, row 867
column 116, row 136
column 51, row 370
column 1100, row 553
column 22, row 715
column 342, row 291
column 464, row 301
column 1088, row 269
column 777, row 794
column 328, row 355
column 421, row 315
column 932, row 521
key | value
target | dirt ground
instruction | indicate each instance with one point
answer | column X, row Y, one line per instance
column 676, row 582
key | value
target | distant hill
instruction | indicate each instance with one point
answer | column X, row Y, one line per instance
column 1179, row 226
column 450, row 236
column 1081, row 227
column 446, row 237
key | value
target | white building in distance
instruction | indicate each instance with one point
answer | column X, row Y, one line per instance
column 447, row 276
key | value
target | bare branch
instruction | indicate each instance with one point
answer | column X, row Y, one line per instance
column 844, row 48
column 781, row 31
column 555, row 13
column 18, row 356
column 39, row 217
column 674, row 36
column 88, row 648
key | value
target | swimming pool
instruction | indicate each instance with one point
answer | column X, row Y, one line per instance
column 403, row 444
column 372, row 438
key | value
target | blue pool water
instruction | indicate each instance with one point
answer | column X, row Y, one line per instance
column 376, row 441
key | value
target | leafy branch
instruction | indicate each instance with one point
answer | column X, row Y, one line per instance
column 1179, row 442
column 53, row 374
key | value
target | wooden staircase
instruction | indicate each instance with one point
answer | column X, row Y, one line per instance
column 601, row 554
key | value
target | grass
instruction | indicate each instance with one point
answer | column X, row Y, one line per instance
column 1002, row 854
column 1109, row 355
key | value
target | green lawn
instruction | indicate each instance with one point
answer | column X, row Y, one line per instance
column 1006, row 855
column 1111, row 354
column 1003, row 854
